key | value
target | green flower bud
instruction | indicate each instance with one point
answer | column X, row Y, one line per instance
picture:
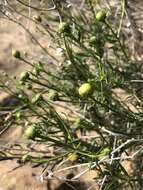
column 36, row 71
column 64, row 27
column 26, row 158
column 4, row 74
column 101, row 16
column 29, row 86
column 103, row 153
column 40, row 66
column 37, row 18
column 20, row 96
column 73, row 157
column 31, row 132
column 24, row 76
column 18, row 115
column 53, row 95
column 92, row 40
column 78, row 121
column 38, row 97
column 85, row 89
column 23, row 98
column 22, row 83
column 16, row 54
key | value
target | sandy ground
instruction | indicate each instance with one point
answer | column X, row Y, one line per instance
column 11, row 36
column 23, row 178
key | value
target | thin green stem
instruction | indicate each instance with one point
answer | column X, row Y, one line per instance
column 118, row 39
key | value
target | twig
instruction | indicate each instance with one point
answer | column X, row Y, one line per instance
column 104, row 158
column 111, row 161
column 38, row 9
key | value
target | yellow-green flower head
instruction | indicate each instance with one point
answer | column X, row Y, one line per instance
column 101, row 16
column 73, row 157
column 85, row 89
column 31, row 132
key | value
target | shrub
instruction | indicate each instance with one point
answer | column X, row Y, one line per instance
column 97, row 130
